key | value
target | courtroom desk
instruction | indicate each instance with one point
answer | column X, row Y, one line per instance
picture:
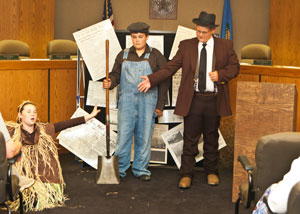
column 255, row 73
column 274, row 74
column 49, row 83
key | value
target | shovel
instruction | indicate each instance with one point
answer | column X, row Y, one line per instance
column 108, row 166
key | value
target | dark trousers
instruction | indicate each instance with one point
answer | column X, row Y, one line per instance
column 201, row 119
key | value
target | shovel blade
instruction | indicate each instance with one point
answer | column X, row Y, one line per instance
column 108, row 170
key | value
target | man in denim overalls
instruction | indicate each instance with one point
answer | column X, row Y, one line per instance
column 137, row 111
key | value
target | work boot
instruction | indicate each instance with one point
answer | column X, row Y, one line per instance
column 212, row 180
column 185, row 182
column 145, row 178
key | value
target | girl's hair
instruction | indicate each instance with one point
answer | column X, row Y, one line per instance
column 22, row 106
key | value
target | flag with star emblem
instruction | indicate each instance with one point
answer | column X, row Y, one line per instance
column 108, row 12
column 226, row 29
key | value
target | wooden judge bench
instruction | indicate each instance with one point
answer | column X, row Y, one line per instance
column 51, row 84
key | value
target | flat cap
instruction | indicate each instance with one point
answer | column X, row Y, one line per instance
column 138, row 27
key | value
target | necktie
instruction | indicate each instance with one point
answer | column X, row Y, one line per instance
column 202, row 69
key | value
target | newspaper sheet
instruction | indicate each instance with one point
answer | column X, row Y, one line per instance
column 97, row 95
column 158, row 147
column 168, row 103
column 91, row 42
column 113, row 118
column 157, row 141
column 3, row 129
column 87, row 141
column 169, row 117
column 175, row 86
column 182, row 33
column 154, row 41
column 174, row 141
column 114, row 127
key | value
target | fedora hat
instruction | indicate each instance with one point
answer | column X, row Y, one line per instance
column 206, row 20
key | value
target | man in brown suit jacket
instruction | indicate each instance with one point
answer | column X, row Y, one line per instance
column 207, row 63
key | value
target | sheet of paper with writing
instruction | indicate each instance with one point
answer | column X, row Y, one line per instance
column 87, row 141
column 182, row 33
column 176, row 79
column 91, row 42
column 173, row 138
column 96, row 95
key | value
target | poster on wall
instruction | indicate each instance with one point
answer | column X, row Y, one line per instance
column 155, row 41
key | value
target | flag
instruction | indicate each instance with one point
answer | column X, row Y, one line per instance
column 226, row 29
column 108, row 12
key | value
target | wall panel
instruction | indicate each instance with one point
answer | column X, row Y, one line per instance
column 62, row 94
column 250, row 18
column 30, row 21
column 48, row 83
column 19, row 85
column 285, row 32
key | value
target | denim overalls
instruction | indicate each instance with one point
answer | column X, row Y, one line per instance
column 135, row 117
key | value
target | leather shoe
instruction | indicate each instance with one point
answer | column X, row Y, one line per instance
column 145, row 178
column 185, row 183
column 212, row 179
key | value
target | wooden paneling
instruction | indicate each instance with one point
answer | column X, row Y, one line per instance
column 9, row 19
column 29, row 21
column 62, row 94
column 19, row 85
column 29, row 80
column 36, row 64
column 233, row 87
column 284, row 32
column 288, row 80
column 261, row 108
column 274, row 74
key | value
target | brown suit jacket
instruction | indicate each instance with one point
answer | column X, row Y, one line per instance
column 225, row 61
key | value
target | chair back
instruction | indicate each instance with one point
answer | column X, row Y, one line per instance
column 273, row 156
column 14, row 47
column 256, row 51
column 61, row 47
column 257, row 54
column 3, row 169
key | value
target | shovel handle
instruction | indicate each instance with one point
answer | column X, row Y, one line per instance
column 107, row 101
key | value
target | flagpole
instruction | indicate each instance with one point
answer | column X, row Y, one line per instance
column 106, row 9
